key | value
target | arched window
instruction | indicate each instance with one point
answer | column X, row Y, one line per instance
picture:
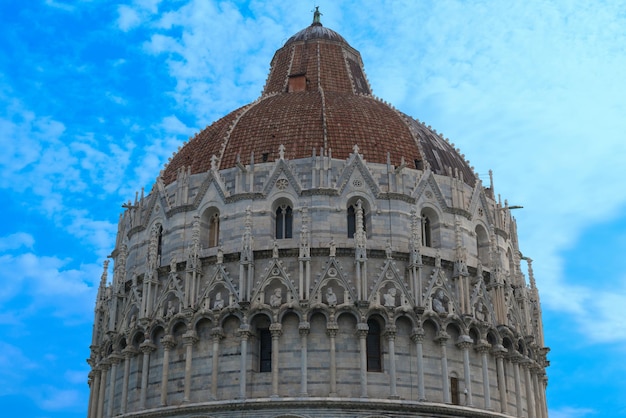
column 374, row 355
column 214, row 230
column 159, row 243
column 482, row 245
column 351, row 219
column 284, row 222
column 427, row 240
column 265, row 350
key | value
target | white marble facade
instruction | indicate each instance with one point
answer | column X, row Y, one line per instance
column 239, row 292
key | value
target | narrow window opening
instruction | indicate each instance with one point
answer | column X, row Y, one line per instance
column 214, row 230
column 419, row 164
column 265, row 350
column 374, row 360
column 159, row 244
column 284, row 222
column 265, row 156
column 351, row 221
column 426, row 232
column 454, row 391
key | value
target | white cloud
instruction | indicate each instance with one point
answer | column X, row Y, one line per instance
column 16, row 241
column 128, row 18
column 60, row 5
column 570, row 412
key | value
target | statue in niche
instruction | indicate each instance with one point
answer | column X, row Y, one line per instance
column 219, row 302
column 480, row 311
column 390, row 297
column 439, row 302
column 333, row 248
column 331, row 297
column 133, row 322
column 277, row 298
column 275, row 249
column 388, row 250
column 438, row 259
column 171, row 309
column 220, row 255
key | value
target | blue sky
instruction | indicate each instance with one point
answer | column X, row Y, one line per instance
column 96, row 96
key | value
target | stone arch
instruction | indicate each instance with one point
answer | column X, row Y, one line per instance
column 210, row 226
column 175, row 322
column 283, row 213
column 287, row 310
column 318, row 311
column 350, row 209
column 483, row 244
column 431, row 226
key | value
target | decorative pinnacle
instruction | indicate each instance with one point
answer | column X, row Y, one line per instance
column 316, row 17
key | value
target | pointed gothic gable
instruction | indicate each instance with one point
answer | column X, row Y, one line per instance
column 282, row 171
column 332, row 277
column 428, row 183
column 439, row 288
column 130, row 309
column 481, row 304
column 390, row 289
column 274, row 277
column 355, row 169
column 513, row 311
column 211, row 179
column 172, row 291
column 220, row 291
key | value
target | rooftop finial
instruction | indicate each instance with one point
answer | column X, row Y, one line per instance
column 316, row 17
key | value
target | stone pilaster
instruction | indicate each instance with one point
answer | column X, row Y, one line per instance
column 129, row 352
column 483, row 348
column 464, row 343
column 331, row 331
column 115, row 359
column 418, row 338
column 362, row 330
column 146, row 348
column 442, row 338
column 104, row 369
column 217, row 333
column 304, row 329
column 276, row 330
column 189, row 339
column 499, row 352
column 168, row 342
column 244, row 334
column 390, row 334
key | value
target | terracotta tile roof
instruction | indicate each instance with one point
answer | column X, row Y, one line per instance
column 337, row 97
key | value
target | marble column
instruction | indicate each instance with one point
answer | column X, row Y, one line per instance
column 390, row 333
column 304, row 328
column 514, row 359
column 146, row 348
column 189, row 339
column 105, row 365
column 217, row 333
column 362, row 330
column 168, row 342
column 538, row 399
column 442, row 337
column 115, row 359
column 530, row 395
column 244, row 334
column 499, row 351
column 129, row 352
column 418, row 339
column 331, row 331
column 464, row 343
column 276, row 330
column 95, row 391
column 483, row 348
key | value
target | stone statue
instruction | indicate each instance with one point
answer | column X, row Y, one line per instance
column 333, row 248
column 439, row 302
column 277, row 298
column 275, row 249
column 219, row 302
column 390, row 298
column 220, row 255
column 388, row 250
column 171, row 309
column 331, row 298
column 480, row 311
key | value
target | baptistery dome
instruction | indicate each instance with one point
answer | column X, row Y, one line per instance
column 317, row 253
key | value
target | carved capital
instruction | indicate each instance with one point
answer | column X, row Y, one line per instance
column 190, row 338
column 304, row 328
column 464, row 342
column 217, row 333
column 417, row 335
column 390, row 332
column 442, row 337
column 276, row 329
column 129, row 352
column 115, row 358
column 147, row 347
column 168, row 342
column 332, row 330
column 362, row 329
column 498, row 351
column 482, row 346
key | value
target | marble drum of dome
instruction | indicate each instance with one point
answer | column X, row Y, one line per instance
column 317, row 253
